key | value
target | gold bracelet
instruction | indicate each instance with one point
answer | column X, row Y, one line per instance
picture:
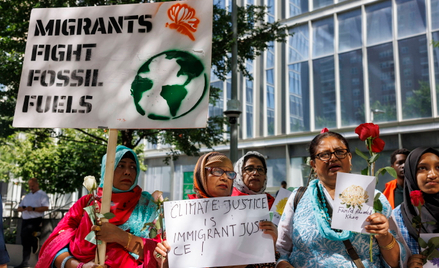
column 390, row 245
column 129, row 240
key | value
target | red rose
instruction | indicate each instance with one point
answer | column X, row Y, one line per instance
column 367, row 130
column 416, row 198
column 377, row 145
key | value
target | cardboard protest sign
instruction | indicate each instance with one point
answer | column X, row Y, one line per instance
column 120, row 67
column 434, row 263
column 279, row 204
column 214, row 232
column 353, row 202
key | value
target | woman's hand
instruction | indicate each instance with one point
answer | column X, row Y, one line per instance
column 162, row 249
column 109, row 233
column 269, row 228
column 284, row 264
column 379, row 225
column 416, row 261
column 93, row 265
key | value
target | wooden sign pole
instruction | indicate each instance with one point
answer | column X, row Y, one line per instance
column 107, row 189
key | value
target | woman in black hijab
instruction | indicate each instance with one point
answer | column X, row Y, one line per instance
column 421, row 172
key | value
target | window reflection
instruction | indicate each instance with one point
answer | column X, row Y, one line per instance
column 323, row 37
column 351, row 88
column 436, row 66
column 269, row 78
column 249, row 100
column 321, row 3
column 411, row 17
column 434, row 14
column 382, row 82
column 298, row 7
column 379, row 23
column 415, row 86
column 324, row 92
column 349, row 25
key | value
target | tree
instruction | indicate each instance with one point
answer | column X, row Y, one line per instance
column 14, row 16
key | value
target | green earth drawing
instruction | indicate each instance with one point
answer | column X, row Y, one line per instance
column 169, row 85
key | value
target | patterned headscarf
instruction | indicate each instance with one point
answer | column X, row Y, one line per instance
column 212, row 159
column 238, row 183
column 121, row 152
column 430, row 210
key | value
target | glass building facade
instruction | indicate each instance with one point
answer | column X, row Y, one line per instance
column 345, row 63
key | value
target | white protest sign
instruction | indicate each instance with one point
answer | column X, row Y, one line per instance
column 126, row 66
column 214, row 232
column 353, row 202
column 279, row 204
column 430, row 263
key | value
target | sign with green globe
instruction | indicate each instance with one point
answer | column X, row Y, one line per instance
column 130, row 66
column 167, row 101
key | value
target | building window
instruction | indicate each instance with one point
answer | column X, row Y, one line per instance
column 271, row 10
column 270, row 95
column 411, row 17
column 351, row 88
column 434, row 14
column 321, row 3
column 323, row 33
column 324, row 93
column 379, row 23
column 415, row 90
column 349, row 28
column 297, row 7
column 379, row 97
column 249, row 100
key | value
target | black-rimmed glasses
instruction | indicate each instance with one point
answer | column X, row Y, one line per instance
column 251, row 169
column 215, row 171
column 340, row 154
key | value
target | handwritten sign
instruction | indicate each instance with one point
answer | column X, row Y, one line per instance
column 353, row 202
column 121, row 66
column 430, row 263
column 220, row 231
column 279, row 204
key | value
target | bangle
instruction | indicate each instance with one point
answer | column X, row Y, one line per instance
column 390, row 245
column 129, row 240
column 63, row 264
column 80, row 265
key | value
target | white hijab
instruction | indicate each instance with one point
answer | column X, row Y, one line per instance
column 238, row 183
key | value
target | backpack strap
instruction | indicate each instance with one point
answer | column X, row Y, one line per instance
column 299, row 195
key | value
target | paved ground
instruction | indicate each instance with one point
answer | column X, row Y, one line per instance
column 15, row 254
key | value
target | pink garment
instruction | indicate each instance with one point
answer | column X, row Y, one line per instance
column 72, row 230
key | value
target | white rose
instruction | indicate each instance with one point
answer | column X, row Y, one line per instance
column 90, row 183
column 158, row 196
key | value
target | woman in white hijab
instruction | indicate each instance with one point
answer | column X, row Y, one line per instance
column 251, row 176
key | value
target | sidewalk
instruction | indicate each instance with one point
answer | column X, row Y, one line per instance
column 15, row 254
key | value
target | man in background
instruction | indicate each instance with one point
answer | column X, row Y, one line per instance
column 283, row 184
column 32, row 209
column 394, row 189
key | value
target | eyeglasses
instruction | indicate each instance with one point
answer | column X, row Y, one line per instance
column 215, row 171
column 340, row 154
column 251, row 169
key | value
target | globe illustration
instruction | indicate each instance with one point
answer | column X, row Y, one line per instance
column 169, row 85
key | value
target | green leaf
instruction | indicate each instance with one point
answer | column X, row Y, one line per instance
column 430, row 222
column 152, row 233
column 365, row 171
column 359, row 153
column 374, row 158
column 109, row 215
column 377, row 205
column 157, row 224
column 422, row 243
column 377, row 196
column 434, row 242
column 433, row 255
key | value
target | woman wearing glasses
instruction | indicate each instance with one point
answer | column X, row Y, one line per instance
column 305, row 236
column 251, row 176
column 213, row 177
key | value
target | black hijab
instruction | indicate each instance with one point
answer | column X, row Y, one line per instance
column 430, row 210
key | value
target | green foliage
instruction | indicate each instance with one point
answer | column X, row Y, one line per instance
column 419, row 104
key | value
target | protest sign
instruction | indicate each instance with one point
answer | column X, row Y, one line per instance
column 434, row 263
column 212, row 232
column 279, row 204
column 126, row 66
column 353, row 202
